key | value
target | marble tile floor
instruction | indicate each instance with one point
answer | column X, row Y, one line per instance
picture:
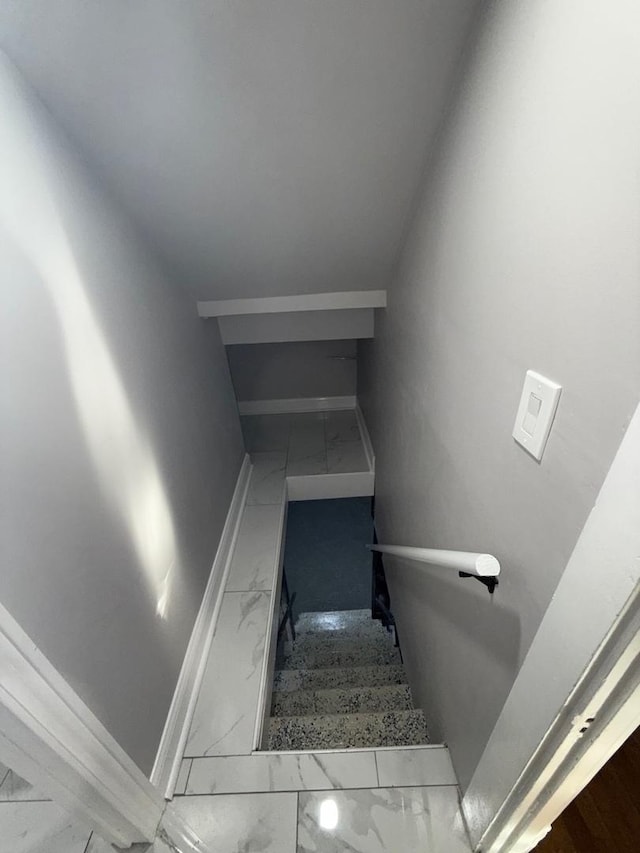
column 269, row 772
column 31, row 823
column 380, row 820
column 301, row 444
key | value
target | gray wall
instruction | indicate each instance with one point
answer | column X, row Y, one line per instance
column 523, row 254
column 119, row 439
column 297, row 369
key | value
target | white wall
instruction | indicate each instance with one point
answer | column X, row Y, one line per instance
column 524, row 253
column 288, row 370
column 119, row 437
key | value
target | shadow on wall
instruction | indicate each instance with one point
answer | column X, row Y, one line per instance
column 122, row 456
column 463, row 630
column 120, row 437
column 474, row 612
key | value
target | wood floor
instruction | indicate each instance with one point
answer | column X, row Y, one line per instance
column 605, row 817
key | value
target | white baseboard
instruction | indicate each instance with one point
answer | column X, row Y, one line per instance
column 295, row 404
column 169, row 755
column 316, row 487
column 366, row 438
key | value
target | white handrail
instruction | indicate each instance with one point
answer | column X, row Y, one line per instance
column 481, row 565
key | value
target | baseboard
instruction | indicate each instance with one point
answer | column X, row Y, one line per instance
column 169, row 755
column 316, row 487
column 295, row 404
column 366, row 438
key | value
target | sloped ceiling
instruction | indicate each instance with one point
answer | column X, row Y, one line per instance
column 263, row 147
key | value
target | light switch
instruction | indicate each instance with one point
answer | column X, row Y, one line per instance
column 536, row 411
column 531, row 414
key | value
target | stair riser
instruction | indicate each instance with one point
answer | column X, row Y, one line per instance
column 311, row 643
column 326, row 658
column 401, row 728
column 326, row 679
column 346, row 701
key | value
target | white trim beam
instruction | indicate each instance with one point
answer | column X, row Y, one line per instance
column 297, row 326
column 294, row 405
column 297, row 302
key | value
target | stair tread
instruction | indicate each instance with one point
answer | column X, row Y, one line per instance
column 334, row 677
column 331, row 619
column 343, row 731
column 345, row 700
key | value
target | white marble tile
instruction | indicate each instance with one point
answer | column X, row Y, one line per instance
column 307, row 447
column 264, row 433
column 40, row 827
column 225, row 714
column 255, row 773
column 183, row 775
column 240, row 823
column 309, row 464
column 256, row 551
column 300, row 420
column 402, row 820
column 14, row 788
column 342, row 426
column 407, row 767
column 267, row 478
column 345, row 457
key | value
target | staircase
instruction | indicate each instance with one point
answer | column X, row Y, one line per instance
column 342, row 684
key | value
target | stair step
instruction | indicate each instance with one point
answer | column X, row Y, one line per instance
column 350, row 700
column 343, row 731
column 341, row 653
column 324, row 679
column 312, row 643
column 338, row 623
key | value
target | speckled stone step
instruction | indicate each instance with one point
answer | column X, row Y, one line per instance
column 357, row 623
column 314, row 643
column 325, row 679
column 341, row 653
column 350, row 700
column 343, row 731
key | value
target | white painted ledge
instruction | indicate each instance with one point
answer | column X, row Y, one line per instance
column 298, row 302
column 318, row 487
column 295, row 405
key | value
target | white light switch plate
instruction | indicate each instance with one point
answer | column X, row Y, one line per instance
column 536, row 411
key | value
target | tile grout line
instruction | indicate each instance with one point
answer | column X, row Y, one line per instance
column 313, row 789
column 186, row 781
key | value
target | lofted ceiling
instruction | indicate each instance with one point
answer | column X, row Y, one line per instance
column 263, row 147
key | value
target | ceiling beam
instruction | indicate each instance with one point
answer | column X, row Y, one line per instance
column 349, row 299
